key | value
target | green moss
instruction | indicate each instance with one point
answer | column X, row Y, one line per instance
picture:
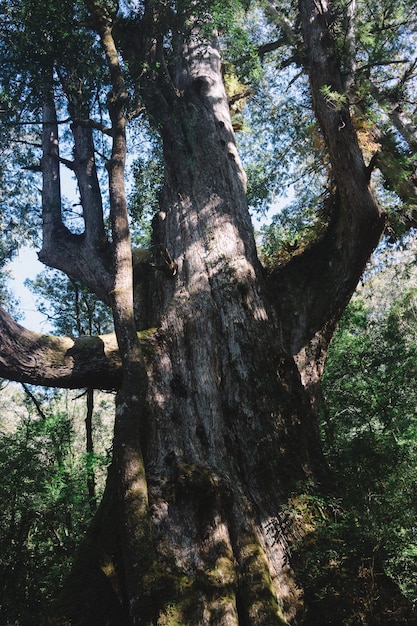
column 196, row 479
column 143, row 335
column 54, row 344
column 179, row 599
column 175, row 596
column 146, row 341
column 256, row 594
column 171, row 617
column 222, row 575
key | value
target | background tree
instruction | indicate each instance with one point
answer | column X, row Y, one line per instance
column 369, row 439
column 215, row 429
column 45, row 502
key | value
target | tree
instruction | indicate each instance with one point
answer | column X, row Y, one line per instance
column 215, row 416
column 45, row 501
column 369, row 422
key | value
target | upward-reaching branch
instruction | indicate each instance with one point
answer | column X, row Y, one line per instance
column 122, row 291
column 51, row 189
column 313, row 288
column 349, row 46
column 398, row 117
column 131, row 399
column 84, row 161
column 83, row 257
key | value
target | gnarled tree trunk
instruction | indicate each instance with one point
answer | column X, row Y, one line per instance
column 227, row 431
column 214, row 422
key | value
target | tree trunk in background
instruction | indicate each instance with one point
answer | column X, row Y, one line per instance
column 89, row 448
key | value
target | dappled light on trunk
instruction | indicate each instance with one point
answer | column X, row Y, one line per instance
column 217, row 465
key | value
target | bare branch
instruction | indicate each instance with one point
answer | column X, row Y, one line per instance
column 240, row 96
column 67, row 163
column 85, row 256
column 35, row 401
column 122, row 291
column 34, row 122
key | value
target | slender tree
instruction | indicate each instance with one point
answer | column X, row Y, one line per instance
column 74, row 311
column 215, row 428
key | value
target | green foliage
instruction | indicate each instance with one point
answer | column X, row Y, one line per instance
column 357, row 546
column 70, row 308
column 45, row 506
column 334, row 99
column 147, row 181
column 369, row 429
column 292, row 230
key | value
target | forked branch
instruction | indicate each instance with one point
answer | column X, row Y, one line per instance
column 81, row 256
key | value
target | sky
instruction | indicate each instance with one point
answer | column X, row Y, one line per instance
column 26, row 265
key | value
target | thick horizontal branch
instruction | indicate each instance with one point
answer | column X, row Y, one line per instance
column 38, row 359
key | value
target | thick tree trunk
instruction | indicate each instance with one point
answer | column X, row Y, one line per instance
column 228, row 431
column 215, row 430
column 212, row 442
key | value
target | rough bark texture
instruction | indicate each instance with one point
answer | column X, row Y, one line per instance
column 313, row 289
column 214, row 428
column 86, row 256
column 225, row 408
column 30, row 357
column 227, row 431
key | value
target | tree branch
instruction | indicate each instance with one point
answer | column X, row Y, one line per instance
column 51, row 190
column 96, row 241
column 85, row 256
column 122, row 288
column 313, row 289
column 392, row 105
column 35, row 401
column 89, row 123
column 37, row 359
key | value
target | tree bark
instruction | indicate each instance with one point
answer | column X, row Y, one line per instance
column 226, row 432
column 81, row 256
column 312, row 290
column 30, row 357
column 214, row 428
column 89, row 448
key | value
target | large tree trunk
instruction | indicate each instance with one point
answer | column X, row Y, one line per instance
column 215, row 431
column 214, row 423
column 228, row 431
